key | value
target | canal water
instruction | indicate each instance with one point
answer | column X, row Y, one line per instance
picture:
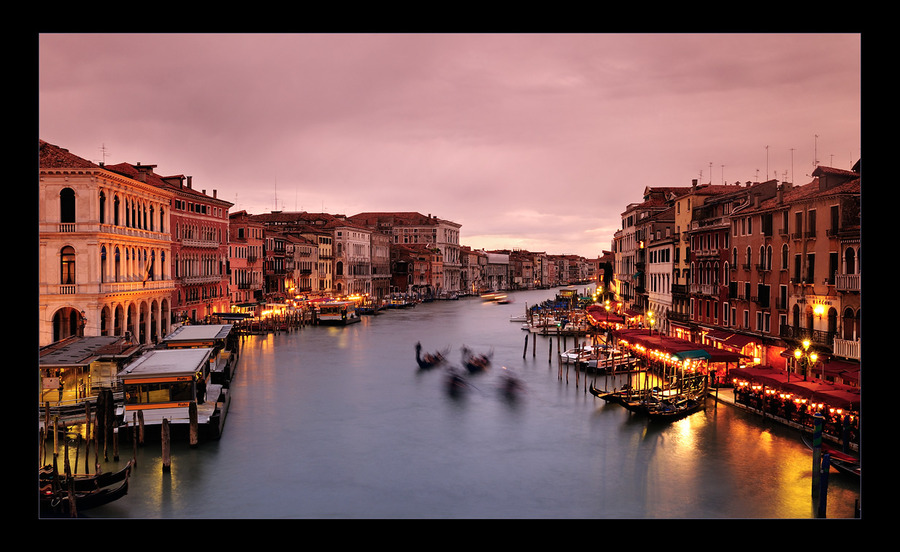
column 339, row 423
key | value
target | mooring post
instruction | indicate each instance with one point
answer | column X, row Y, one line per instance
column 823, row 486
column 818, row 422
column 166, row 453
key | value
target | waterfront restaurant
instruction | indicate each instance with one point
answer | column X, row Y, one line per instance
column 163, row 384
column 674, row 351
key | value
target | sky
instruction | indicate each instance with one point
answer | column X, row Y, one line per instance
column 529, row 141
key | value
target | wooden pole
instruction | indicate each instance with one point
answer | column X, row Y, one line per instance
column 70, row 484
column 823, row 484
column 107, row 420
column 818, row 423
column 115, row 440
column 194, row 430
column 96, row 443
column 134, row 438
column 525, row 350
column 166, row 452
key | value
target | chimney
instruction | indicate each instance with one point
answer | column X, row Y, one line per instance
column 694, row 183
column 214, row 194
column 189, row 182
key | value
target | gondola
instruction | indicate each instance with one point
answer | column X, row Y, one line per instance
column 669, row 411
column 841, row 461
column 476, row 363
column 616, row 397
column 58, row 503
column 429, row 360
column 85, row 483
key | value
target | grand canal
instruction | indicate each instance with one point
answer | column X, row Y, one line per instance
column 339, row 423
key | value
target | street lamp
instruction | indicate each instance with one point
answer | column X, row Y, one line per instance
column 809, row 358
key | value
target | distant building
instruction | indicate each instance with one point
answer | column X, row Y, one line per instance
column 410, row 228
column 245, row 259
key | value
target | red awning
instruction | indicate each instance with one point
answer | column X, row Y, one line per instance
column 837, row 396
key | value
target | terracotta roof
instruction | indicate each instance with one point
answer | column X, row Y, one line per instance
column 55, row 157
column 399, row 218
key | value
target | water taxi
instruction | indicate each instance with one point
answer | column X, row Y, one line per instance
column 337, row 313
column 170, row 384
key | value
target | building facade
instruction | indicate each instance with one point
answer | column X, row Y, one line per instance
column 410, row 228
column 105, row 251
column 245, row 261
column 199, row 228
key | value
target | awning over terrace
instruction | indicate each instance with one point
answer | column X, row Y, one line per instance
column 600, row 315
column 838, row 396
column 680, row 349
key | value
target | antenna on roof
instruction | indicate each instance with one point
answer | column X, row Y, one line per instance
column 792, row 165
column 103, row 154
column 816, row 151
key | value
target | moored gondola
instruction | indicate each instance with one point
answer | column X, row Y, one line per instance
column 842, row 462
column 671, row 410
column 58, row 502
column 86, row 482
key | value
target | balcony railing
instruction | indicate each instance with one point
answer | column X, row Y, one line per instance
column 846, row 348
column 191, row 242
column 819, row 337
column 847, row 282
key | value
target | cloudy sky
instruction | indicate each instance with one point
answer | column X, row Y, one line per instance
column 533, row 141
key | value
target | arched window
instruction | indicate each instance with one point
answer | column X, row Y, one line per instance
column 850, row 261
column 102, row 207
column 784, row 257
column 67, row 265
column 116, row 208
column 67, row 205
column 102, row 264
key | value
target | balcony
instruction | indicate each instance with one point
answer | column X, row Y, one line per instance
column 149, row 285
column 190, row 242
column 846, row 348
column 705, row 289
column 206, row 279
column 847, row 282
column 818, row 337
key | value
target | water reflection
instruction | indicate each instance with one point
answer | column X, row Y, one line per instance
column 342, row 423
